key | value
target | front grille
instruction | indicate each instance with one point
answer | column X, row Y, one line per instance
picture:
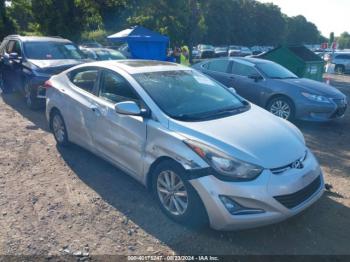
column 295, row 199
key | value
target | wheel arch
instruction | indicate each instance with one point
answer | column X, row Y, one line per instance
column 276, row 96
column 150, row 173
column 52, row 111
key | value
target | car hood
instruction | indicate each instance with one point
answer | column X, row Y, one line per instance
column 314, row 87
column 52, row 67
column 255, row 136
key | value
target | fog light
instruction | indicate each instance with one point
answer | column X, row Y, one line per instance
column 230, row 205
column 236, row 209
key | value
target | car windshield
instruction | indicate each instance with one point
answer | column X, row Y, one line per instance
column 188, row 95
column 51, row 50
column 275, row 71
column 207, row 47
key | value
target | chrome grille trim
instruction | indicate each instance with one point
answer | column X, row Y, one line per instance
column 280, row 170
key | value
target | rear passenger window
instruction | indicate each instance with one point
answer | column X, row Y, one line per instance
column 84, row 79
column 116, row 89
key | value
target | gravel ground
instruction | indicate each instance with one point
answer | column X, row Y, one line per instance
column 56, row 201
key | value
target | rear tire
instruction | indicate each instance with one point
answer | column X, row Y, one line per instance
column 178, row 199
column 59, row 129
column 282, row 107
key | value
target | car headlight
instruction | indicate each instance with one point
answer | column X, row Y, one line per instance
column 226, row 166
column 316, row 98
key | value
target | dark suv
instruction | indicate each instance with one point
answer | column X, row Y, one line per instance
column 27, row 62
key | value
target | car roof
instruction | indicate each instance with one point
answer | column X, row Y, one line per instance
column 134, row 66
column 250, row 60
column 39, row 38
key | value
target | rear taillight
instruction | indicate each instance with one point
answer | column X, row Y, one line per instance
column 48, row 84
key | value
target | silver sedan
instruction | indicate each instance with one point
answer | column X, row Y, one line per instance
column 207, row 154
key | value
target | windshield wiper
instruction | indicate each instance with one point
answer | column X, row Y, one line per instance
column 213, row 114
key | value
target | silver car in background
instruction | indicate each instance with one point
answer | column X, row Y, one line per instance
column 207, row 154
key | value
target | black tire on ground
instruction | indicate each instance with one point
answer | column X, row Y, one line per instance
column 195, row 214
column 58, row 128
column 339, row 69
column 281, row 100
column 31, row 99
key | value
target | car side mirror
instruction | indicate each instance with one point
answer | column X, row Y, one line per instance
column 128, row 108
column 256, row 78
column 232, row 90
column 14, row 57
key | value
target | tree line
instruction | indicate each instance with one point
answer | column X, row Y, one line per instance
column 217, row 22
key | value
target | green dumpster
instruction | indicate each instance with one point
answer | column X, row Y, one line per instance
column 298, row 59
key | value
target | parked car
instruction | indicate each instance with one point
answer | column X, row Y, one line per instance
column 239, row 51
column 101, row 54
column 206, row 51
column 245, row 51
column 195, row 53
column 341, row 61
column 275, row 88
column 199, row 152
column 125, row 50
column 91, row 44
column 221, row 51
column 234, row 50
column 26, row 62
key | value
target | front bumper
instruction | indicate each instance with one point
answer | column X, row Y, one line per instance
column 258, row 194
column 313, row 111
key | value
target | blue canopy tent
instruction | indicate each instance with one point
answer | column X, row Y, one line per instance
column 143, row 43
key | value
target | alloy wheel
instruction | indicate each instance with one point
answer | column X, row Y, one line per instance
column 58, row 128
column 172, row 192
column 281, row 109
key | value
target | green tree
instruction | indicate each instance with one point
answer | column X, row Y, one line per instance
column 180, row 20
column 331, row 38
column 21, row 12
column 7, row 25
column 344, row 40
column 300, row 31
column 66, row 18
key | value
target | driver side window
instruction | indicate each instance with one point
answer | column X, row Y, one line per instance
column 14, row 47
column 115, row 88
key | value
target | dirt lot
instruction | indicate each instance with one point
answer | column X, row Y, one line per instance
column 56, row 201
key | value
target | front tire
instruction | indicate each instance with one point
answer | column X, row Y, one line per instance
column 32, row 101
column 59, row 129
column 282, row 107
column 176, row 196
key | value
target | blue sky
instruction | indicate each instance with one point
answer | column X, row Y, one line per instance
column 327, row 15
